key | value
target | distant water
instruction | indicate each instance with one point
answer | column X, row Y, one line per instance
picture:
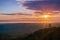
column 23, row 28
column 18, row 28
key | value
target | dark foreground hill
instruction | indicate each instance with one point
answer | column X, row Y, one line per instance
column 42, row 34
column 45, row 34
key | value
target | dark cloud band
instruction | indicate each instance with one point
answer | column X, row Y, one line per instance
column 39, row 5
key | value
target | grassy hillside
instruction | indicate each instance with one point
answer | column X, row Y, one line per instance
column 45, row 34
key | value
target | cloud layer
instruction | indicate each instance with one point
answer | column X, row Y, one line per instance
column 27, row 19
column 41, row 4
column 37, row 0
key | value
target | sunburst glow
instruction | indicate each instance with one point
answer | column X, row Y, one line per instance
column 45, row 16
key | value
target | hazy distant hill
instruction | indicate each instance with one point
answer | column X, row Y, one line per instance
column 45, row 34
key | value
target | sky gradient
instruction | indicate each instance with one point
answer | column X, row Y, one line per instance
column 10, row 6
column 21, row 10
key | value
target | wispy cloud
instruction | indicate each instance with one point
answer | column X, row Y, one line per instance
column 16, row 13
column 41, row 4
column 26, row 19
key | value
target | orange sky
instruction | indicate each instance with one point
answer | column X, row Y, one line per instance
column 28, row 19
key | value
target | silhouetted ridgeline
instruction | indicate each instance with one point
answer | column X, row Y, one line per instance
column 45, row 34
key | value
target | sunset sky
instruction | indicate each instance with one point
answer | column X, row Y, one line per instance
column 11, row 7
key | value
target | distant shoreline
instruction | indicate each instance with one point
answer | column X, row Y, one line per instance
column 25, row 23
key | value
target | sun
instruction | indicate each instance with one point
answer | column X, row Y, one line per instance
column 45, row 16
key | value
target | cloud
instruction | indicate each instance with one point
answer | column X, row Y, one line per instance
column 40, row 5
column 26, row 19
column 18, row 13
column 36, row 0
